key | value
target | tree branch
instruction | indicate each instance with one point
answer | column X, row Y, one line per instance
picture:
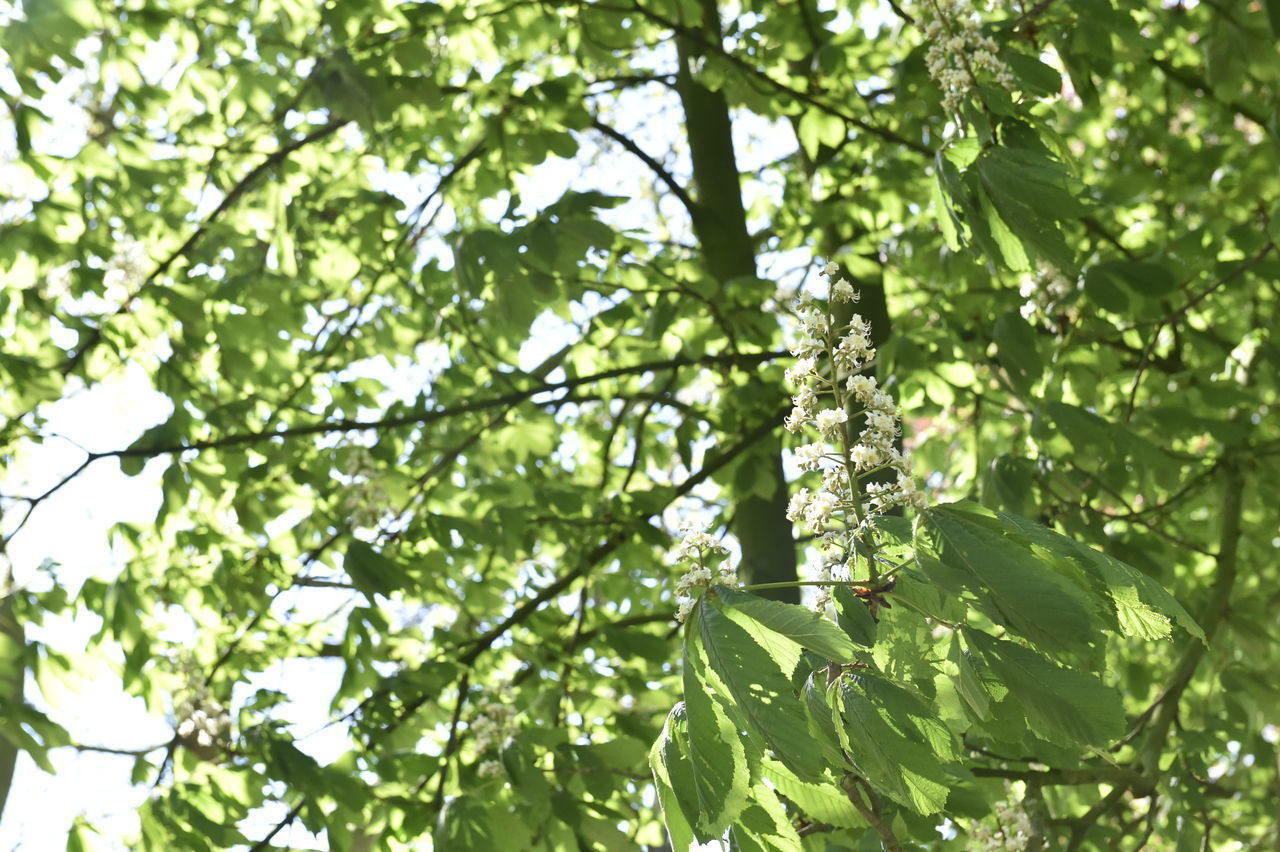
column 657, row 168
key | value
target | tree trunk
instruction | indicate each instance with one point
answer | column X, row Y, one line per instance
column 759, row 522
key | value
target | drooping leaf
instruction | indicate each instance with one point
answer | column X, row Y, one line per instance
column 898, row 766
column 1143, row 606
column 765, row 826
column 821, row 801
column 854, row 617
column 799, row 624
column 1064, row 706
column 673, row 778
column 718, row 759
column 760, row 689
column 959, row 549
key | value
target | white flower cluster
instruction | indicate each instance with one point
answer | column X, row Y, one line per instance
column 204, row 725
column 491, row 769
column 696, row 548
column 126, row 270
column 958, row 50
column 57, row 283
column 364, row 500
column 1013, row 834
column 1045, row 291
column 203, row 722
column 491, row 724
column 829, row 369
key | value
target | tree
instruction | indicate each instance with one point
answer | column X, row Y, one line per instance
column 461, row 307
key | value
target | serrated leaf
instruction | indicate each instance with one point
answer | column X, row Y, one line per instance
column 1010, row 247
column 1064, row 706
column 1036, row 77
column 465, row 823
column 947, row 220
column 968, row 686
column 854, row 617
column 960, row 551
column 1029, row 180
column 764, row 825
column 673, row 778
column 1142, row 605
column 822, row 802
column 799, row 624
column 716, row 753
column 760, row 688
column 370, row 571
column 1016, row 350
column 822, row 719
column 901, row 768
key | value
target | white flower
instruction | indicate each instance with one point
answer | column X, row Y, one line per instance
column 861, row 387
column 830, row 269
column 809, row 456
column 819, row 510
column 842, row 291
column 796, row 507
column 801, row 370
column 491, row 769
column 683, row 610
column 795, row 421
column 829, row 422
column 696, row 544
column 866, row 457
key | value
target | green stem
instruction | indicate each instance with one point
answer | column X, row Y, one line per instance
column 846, row 450
column 754, row 586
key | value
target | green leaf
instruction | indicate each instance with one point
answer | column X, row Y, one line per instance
column 1036, row 77
column 895, row 764
column 799, row 624
column 1143, row 606
column 760, row 688
column 673, row 777
column 465, row 823
column 1016, row 349
column 1272, row 8
column 822, row 802
column 1030, row 193
column 961, row 548
column 1100, row 286
column 822, row 718
column 967, row 683
column 764, row 825
column 1024, row 179
column 371, row 572
column 947, row 219
column 1144, row 279
column 1010, row 247
column 720, row 774
column 854, row 617
column 1063, row 706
